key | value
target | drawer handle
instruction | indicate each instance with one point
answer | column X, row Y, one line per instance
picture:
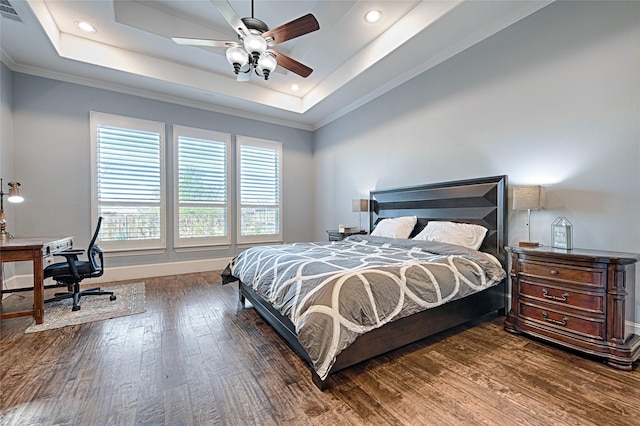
column 546, row 294
column 564, row 321
column 553, row 272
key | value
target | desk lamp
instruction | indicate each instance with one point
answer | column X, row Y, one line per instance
column 14, row 197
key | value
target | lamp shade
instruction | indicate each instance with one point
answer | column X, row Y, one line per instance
column 360, row 205
column 235, row 55
column 14, row 193
column 255, row 44
column 267, row 62
column 526, row 198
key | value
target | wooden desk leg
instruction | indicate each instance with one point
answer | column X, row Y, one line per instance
column 38, row 287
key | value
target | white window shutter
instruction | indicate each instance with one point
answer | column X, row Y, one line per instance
column 259, row 188
column 128, row 181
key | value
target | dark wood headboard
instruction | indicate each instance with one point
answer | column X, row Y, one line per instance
column 481, row 201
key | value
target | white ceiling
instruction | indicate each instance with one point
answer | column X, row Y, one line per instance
column 353, row 61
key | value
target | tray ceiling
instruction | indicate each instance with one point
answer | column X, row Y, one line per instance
column 353, row 61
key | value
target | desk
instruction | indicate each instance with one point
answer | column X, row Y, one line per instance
column 32, row 249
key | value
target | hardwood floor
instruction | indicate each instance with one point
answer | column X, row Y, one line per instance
column 196, row 356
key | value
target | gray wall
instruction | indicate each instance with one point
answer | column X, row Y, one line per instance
column 52, row 160
column 6, row 149
column 6, row 132
column 553, row 100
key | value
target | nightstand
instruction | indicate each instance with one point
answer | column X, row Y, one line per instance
column 335, row 235
column 580, row 299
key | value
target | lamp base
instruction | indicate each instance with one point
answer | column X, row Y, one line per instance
column 529, row 244
column 4, row 235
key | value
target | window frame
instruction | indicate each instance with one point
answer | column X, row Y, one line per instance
column 215, row 136
column 97, row 119
column 266, row 144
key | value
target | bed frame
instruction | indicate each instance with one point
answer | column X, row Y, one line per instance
column 480, row 201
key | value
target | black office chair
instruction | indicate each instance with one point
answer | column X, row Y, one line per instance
column 71, row 272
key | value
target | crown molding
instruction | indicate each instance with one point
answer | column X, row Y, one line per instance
column 68, row 78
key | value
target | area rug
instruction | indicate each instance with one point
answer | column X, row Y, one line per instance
column 130, row 300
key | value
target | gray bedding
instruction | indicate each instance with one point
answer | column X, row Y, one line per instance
column 335, row 291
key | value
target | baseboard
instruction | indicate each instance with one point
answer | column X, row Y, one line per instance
column 136, row 272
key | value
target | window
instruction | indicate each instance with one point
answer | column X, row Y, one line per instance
column 201, row 164
column 259, row 194
column 128, row 181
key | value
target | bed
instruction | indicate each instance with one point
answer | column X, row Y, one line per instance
column 372, row 293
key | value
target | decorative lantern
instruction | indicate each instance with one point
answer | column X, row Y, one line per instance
column 562, row 234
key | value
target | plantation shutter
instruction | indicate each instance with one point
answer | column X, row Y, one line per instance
column 260, row 190
column 203, row 188
column 129, row 181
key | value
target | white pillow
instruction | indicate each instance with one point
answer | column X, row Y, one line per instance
column 462, row 234
column 397, row 227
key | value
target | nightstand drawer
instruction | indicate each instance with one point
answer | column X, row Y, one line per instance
column 590, row 302
column 587, row 327
column 551, row 271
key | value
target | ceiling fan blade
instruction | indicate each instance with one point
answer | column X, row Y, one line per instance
column 291, row 64
column 296, row 28
column 204, row 42
column 232, row 17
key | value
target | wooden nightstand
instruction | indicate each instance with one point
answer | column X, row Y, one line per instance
column 580, row 299
column 335, row 235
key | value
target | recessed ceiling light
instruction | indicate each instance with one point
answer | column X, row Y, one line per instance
column 295, row 87
column 85, row 26
column 373, row 16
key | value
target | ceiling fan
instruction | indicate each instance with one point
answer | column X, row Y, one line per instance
column 253, row 51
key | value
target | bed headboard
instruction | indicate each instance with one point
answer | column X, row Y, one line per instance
column 481, row 201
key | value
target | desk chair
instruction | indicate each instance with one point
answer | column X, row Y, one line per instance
column 71, row 272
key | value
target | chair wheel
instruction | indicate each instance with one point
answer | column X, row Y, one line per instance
column 75, row 308
column 112, row 297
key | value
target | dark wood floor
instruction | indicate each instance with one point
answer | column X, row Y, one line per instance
column 196, row 356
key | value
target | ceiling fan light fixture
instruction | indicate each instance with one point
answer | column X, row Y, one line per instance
column 255, row 44
column 266, row 64
column 237, row 57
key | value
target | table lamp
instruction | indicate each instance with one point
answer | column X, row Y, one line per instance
column 360, row 205
column 14, row 197
column 527, row 198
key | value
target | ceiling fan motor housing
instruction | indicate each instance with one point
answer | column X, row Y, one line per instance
column 255, row 25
